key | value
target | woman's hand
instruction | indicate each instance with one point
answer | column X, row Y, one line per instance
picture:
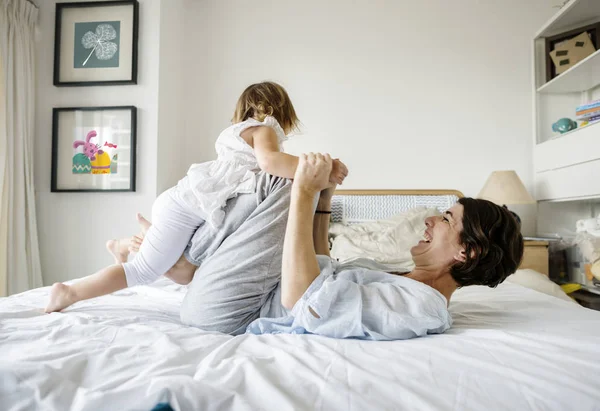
column 339, row 171
column 313, row 172
column 327, row 193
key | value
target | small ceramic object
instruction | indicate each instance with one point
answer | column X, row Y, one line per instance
column 564, row 125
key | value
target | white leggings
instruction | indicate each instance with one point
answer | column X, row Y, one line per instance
column 173, row 224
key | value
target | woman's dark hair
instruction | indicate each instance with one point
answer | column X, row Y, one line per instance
column 493, row 244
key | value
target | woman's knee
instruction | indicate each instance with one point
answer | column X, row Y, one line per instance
column 206, row 323
column 198, row 314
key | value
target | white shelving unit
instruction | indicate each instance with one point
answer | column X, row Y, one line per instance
column 582, row 77
column 567, row 166
column 574, row 14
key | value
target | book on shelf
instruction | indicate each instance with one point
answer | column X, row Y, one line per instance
column 587, row 111
column 587, row 106
column 591, row 120
column 589, row 117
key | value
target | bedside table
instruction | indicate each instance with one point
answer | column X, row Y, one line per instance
column 535, row 256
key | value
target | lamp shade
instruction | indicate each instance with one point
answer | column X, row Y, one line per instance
column 505, row 187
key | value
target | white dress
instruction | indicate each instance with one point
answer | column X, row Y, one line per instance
column 207, row 186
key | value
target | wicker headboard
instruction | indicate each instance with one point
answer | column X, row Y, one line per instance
column 353, row 206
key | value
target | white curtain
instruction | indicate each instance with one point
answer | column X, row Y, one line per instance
column 19, row 252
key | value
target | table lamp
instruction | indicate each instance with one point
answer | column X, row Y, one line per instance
column 505, row 187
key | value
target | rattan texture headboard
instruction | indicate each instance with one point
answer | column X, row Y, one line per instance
column 355, row 206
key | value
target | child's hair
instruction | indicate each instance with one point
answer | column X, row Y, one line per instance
column 266, row 99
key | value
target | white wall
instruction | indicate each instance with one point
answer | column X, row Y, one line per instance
column 174, row 46
column 428, row 94
column 410, row 94
column 73, row 227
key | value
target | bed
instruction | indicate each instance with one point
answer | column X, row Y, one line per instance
column 511, row 348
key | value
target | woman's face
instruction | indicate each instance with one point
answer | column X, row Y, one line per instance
column 441, row 245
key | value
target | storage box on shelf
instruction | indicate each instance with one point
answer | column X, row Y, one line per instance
column 567, row 166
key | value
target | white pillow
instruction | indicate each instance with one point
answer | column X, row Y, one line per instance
column 386, row 241
column 538, row 282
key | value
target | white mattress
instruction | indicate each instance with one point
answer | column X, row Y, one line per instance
column 509, row 349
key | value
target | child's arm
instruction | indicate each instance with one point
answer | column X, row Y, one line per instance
column 270, row 159
column 273, row 161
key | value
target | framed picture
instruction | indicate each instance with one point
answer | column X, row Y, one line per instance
column 93, row 149
column 95, row 43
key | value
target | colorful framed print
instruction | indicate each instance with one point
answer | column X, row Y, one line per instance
column 95, row 43
column 93, row 149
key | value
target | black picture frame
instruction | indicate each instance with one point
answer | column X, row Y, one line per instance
column 55, row 187
column 60, row 8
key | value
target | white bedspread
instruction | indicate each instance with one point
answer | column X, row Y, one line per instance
column 509, row 349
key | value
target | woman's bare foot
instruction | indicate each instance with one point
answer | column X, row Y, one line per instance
column 61, row 296
column 119, row 250
column 182, row 272
column 144, row 224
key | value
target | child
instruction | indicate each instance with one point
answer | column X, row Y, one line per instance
column 263, row 116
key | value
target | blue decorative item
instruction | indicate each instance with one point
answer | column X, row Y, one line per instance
column 564, row 125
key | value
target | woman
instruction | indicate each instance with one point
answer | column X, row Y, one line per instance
column 267, row 266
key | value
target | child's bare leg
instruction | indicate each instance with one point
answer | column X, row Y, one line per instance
column 119, row 248
column 106, row 281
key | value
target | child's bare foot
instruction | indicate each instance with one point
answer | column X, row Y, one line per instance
column 182, row 272
column 119, row 250
column 61, row 296
column 144, row 224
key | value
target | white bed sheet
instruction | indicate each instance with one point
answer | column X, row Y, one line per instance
column 509, row 349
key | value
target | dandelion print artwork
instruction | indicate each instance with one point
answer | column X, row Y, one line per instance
column 97, row 44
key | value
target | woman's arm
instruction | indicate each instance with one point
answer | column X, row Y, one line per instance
column 321, row 222
column 300, row 266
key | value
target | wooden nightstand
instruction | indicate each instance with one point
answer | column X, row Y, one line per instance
column 535, row 256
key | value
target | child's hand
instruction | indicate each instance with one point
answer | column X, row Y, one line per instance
column 339, row 171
